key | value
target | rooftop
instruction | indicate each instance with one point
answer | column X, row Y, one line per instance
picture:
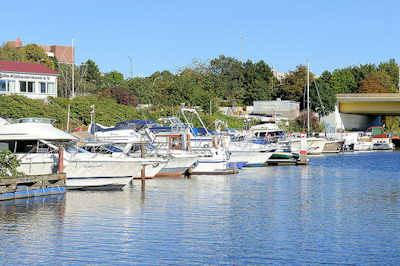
column 24, row 67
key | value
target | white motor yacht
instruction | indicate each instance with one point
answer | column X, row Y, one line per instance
column 36, row 143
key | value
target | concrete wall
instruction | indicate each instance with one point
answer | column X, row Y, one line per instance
column 338, row 122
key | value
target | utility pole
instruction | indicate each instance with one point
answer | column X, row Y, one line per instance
column 131, row 66
column 308, row 97
column 241, row 47
column 73, row 70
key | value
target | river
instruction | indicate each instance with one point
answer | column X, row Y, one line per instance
column 340, row 209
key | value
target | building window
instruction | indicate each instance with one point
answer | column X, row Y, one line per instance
column 42, row 87
column 22, row 86
column 11, row 85
column 51, row 88
column 3, row 85
column 31, row 87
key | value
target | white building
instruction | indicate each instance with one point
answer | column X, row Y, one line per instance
column 288, row 109
column 32, row 80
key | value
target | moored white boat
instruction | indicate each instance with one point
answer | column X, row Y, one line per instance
column 315, row 145
column 33, row 143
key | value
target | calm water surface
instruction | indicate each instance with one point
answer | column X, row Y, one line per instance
column 340, row 209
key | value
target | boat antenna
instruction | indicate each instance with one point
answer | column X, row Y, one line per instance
column 308, row 97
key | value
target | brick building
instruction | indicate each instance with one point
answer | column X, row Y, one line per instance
column 64, row 54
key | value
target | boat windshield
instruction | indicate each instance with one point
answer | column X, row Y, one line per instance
column 112, row 148
column 35, row 120
column 75, row 149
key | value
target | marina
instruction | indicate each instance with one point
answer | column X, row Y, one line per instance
column 198, row 133
column 339, row 209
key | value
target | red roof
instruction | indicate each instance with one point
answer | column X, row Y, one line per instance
column 23, row 67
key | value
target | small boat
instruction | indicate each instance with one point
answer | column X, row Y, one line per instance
column 333, row 146
column 363, row 144
column 284, row 158
column 315, row 146
column 213, row 161
column 380, row 140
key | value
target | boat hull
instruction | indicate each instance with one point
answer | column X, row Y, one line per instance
column 250, row 158
column 333, row 146
column 177, row 166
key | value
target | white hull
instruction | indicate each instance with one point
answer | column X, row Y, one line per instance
column 90, row 170
column 250, row 158
column 209, row 166
column 153, row 169
column 98, row 182
column 314, row 145
column 382, row 144
column 363, row 146
column 179, row 164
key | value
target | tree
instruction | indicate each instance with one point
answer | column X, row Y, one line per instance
column 35, row 54
column 91, row 70
column 228, row 72
column 377, row 82
column 257, row 82
column 343, row 81
column 114, row 79
column 123, row 95
column 391, row 68
column 10, row 54
column 326, row 101
column 293, row 85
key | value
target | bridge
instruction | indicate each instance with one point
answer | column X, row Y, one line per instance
column 369, row 103
column 360, row 111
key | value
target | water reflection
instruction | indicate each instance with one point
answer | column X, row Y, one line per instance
column 340, row 209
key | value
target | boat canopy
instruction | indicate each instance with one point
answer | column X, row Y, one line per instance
column 33, row 131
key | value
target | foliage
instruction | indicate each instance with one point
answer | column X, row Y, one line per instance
column 123, row 96
column 113, row 79
column 293, row 85
column 10, row 53
column 300, row 123
column 392, row 125
column 322, row 96
column 35, row 54
column 8, row 164
column 220, row 81
column 376, row 82
column 343, row 81
column 91, row 70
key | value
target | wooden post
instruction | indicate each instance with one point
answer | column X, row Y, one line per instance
column 188, row 142
column 143, row 172
column 143, row 177
column 61, row 159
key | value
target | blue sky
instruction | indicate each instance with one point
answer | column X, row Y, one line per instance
column 168, row 35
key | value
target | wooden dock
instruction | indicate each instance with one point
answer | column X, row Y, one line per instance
column 31, row 186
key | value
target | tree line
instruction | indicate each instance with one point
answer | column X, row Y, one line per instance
column 219, row 81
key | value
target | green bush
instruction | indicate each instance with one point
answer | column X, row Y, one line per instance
column 8, row 164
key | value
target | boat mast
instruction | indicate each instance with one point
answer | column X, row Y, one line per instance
column 308, row 97
column 73, row 70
